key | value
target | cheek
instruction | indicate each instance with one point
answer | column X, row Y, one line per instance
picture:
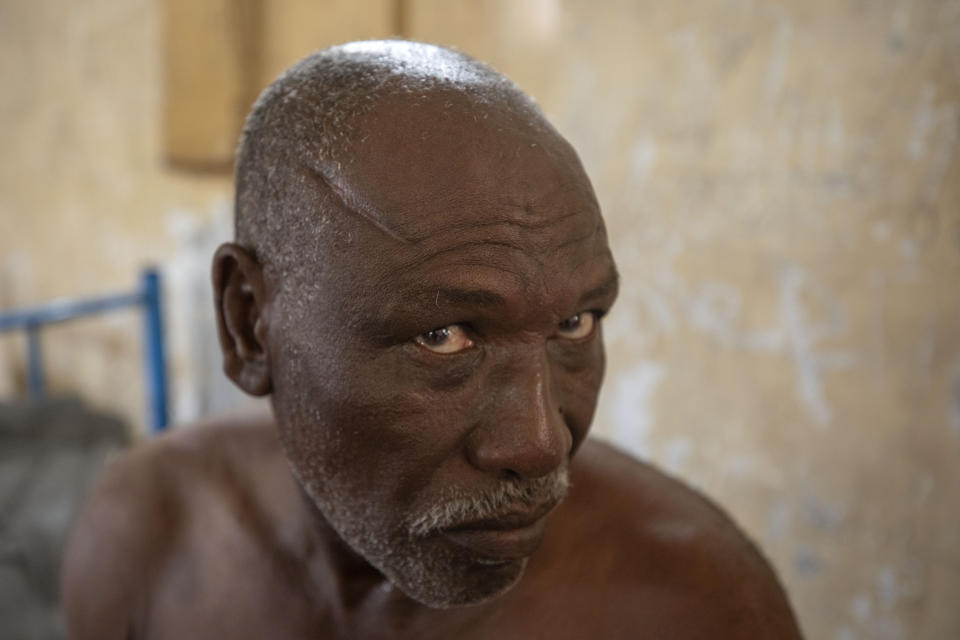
column 576, row 385
column 354, row 420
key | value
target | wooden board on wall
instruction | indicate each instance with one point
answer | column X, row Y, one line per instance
column 219, row 54
column 210, row 56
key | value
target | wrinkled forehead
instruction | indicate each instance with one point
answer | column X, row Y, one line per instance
column 421, row 163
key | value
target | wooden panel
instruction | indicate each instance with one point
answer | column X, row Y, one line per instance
column 293, row 29
column 211, row 53
column 219, row 54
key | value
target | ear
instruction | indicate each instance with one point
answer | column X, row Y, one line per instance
column 241, row 318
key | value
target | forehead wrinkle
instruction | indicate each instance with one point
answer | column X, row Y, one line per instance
column 351, row 202
column 528, row 225
column 423, row 259
column 389, row 279
column 438, row 216
column 597, row 230
column 531, row 246
column 533, row 211
column 499, row 215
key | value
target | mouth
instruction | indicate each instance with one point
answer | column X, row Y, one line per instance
column 498, row 540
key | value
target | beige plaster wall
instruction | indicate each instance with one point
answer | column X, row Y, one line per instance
column 782, row 190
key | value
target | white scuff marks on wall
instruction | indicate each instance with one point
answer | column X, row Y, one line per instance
column 751, row 469
column 779, row 520
column 922, row 125
column 699, row 82
column 881, row 231
column 643, row 157
column 595, row 146
column 875, row 608
column 844, row 633
column 540, row 20
column 946, row 147
column 899, row 26
column 888, row 587
column 877, row 358
column 823, row 515
column 861, row 607
column 836, row 131
column 803, row 337
column 632, row 407
column 17, row 279
column 953, row 403
column 776, row 71
column 676, row 453
column 651, row 298
column 714, row 310
column 873, row 611
column 809, row 318
column 937, row 126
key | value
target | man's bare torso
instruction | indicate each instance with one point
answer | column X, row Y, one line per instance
column 205, row 534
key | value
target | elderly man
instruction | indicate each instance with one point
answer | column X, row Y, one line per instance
column 418, row 281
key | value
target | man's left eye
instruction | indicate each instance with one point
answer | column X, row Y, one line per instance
column 450, row 339
column 578, row 327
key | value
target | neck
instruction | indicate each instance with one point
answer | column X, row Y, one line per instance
column 362, row 600
column 351, row 580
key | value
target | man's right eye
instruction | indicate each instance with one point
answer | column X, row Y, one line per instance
column 445, row 340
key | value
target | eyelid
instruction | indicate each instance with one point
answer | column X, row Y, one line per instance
column 464, row 329
column 595, row 316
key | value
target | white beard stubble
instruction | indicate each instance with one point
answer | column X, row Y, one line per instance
column 437, row 575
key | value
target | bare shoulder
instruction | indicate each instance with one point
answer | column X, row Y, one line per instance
column 138, row 515
column 675, row 549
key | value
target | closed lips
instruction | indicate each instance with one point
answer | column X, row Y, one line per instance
column 513, row 536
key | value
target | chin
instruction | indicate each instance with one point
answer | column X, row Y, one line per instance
column 466, row 585
column 431, row 570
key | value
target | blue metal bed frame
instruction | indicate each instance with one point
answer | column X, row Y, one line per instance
column 148, row 295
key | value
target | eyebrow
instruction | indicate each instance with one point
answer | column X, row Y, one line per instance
column 462, row 297
column 486, row 298
column 607, row 288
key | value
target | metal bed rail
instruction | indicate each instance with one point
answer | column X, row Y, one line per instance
column 148, row 295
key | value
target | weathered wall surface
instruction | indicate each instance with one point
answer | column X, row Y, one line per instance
column 782, row 189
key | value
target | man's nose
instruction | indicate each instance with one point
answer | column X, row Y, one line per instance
column 523, row 432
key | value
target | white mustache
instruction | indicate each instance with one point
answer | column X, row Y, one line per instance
column 462, row 507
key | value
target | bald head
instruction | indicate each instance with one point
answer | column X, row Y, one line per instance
column 300, row 141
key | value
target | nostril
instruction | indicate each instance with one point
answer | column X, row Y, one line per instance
column 510, row 474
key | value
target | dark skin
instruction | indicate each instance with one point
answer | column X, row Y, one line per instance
column 448, row 335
